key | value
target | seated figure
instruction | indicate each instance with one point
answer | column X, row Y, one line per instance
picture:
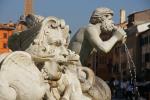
column 46, row 40
column 88, row 38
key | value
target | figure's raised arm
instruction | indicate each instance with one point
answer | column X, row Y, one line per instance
column 93, row 37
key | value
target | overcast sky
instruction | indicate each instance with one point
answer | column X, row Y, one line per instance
column 75, row 12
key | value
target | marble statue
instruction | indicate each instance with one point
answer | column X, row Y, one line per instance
column 41, row 67
column 87, row 38
column 20, row 79
column 57, row 70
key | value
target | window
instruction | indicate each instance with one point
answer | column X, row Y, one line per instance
column 124, row 65
column 147, row 57
column 149, row 39
column 5, row 35
column 116, row 68
column 4, row 45
column 96, row 59
column 122, row 49
column 146, row 40
column 142, row 41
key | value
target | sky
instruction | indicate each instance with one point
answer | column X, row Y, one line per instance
column 76, row 13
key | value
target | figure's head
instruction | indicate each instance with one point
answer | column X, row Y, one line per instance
column 100, row 14
column 52, row 38
column 104, row 17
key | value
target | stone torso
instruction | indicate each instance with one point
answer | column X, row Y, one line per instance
column 81, row 44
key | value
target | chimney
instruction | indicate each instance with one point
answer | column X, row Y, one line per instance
column 122, row 16
column 28, row 7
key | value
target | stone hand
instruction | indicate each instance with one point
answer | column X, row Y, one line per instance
column 124, row 39
column 120, row 34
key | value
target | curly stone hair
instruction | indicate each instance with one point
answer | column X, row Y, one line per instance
column 97, row 14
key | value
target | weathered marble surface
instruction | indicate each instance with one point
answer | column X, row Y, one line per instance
column 41, row 67
column 44, row 47
column 20, row 79
column 88, row 38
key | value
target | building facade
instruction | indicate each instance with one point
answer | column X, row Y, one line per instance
column 6, row 30
column 138, row 41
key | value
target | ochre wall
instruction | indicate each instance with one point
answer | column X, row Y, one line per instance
column 4, row 34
